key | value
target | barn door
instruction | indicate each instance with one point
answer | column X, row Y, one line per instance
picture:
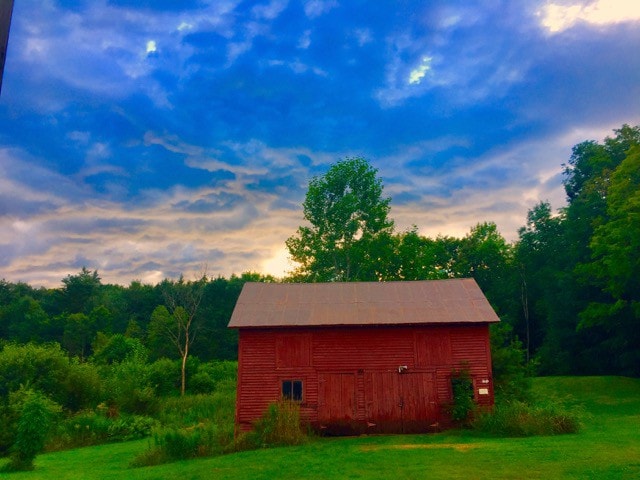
column 417, row 401
column 382, row 396
column 336, row 399
column 400, row 402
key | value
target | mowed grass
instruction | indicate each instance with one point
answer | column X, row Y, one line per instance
column 607, row 448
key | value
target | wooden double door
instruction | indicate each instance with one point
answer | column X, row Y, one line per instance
column 378, row 401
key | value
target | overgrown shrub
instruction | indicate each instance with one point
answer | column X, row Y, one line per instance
column 131, row 427
column 201, row 382
column 129, row 388
column 210, row 374
column 189, row 410
column 193, row 426
column 117, row 349
column 164, row 377
column 173, row 444
column 511, row 373
column 12, row 411
column 521, row 419
column 83, row 386
column 463, row 405
column 35, row 416
column 94, row 428
column 280, row 425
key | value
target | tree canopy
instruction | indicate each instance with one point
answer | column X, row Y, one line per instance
column 349, row 226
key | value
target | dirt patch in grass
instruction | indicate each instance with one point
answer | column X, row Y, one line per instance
column 459, row 447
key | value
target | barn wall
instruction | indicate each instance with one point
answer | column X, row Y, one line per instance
column 347, row 370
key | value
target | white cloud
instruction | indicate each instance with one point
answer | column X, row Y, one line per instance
column 316, row 8
column 558, row 17
column 269, row 11
column 363, row 36
column 151, row 47
column 305, row 40
column 418, row 73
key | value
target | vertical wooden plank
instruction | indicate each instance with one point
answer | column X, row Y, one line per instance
column 418, row 401
column 336, row 397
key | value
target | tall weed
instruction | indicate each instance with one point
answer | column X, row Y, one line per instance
column 92, row 428
column 280, row 425
column 521, row 419
column 193, row 426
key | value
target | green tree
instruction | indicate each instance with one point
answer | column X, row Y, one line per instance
column 484, row 255
column 589, row 181
column 79, row 291
column 349, row 237
column 161, row 323
column 615, row 269
column 25, row 319
column 119, row 348
column 422, row 258
column 32, row 429
column 78, row 334
column 49, row 370
column 544, row 288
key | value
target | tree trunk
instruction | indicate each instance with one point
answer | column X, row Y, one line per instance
column 185, row 355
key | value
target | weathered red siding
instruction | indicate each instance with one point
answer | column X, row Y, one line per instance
column 362, row 379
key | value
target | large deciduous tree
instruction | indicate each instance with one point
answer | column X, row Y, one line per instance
column 350, row 234
column 615, row 268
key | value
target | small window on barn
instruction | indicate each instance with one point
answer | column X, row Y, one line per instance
column 292, row 390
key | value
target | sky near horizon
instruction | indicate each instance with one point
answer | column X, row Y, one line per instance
column 149, row 139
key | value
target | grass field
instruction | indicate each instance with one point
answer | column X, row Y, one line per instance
column 607, row 448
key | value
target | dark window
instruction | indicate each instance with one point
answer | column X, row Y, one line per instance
column 292, row 390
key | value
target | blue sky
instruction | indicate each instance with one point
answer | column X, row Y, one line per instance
column 146, row 139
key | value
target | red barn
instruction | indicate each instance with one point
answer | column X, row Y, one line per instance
column 361, row 357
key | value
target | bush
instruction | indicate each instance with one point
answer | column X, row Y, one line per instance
column 164, row 376
column 91, row 428
column 42, row 367
column 81, row 430
column 119, row 348
column 521, row 419
column 83, row 386
column 194, row 426
column 173, row 444
column 201, row 382
column 12, row 412
column 210, row 374
column 189, row 410
column 34, row 422
column 129, row 388
column 511, row 373
column 131, row 427
column 462, row 405
column 279, row 426
column 47, row 369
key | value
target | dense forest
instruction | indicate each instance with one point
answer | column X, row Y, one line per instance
column 568, row 288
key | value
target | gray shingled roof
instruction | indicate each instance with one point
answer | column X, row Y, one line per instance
column 361, row 303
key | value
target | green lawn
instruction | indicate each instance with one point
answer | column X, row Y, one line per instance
column 607, row 448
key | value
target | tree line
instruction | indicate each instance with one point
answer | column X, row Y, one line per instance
column 90, row 319
column 568, row 288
